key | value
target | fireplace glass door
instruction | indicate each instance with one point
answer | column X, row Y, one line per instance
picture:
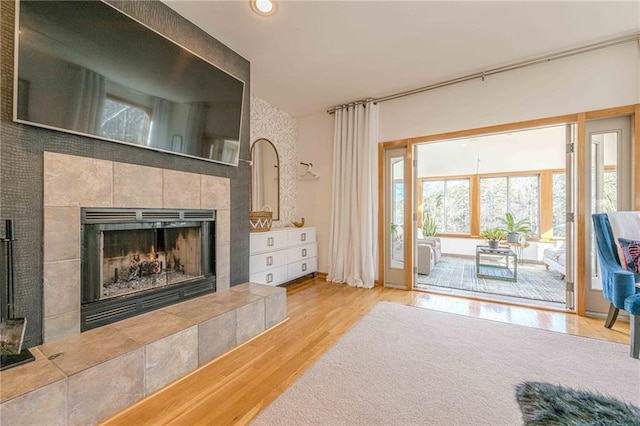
column 137, row 260
column 144, row 259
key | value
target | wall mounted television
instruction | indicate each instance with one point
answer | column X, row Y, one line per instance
column 85, row 67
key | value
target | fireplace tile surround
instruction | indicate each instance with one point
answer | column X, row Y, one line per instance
column 72, row 182
column 85, row 378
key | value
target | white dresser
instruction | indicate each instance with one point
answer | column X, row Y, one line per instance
column 282, row 255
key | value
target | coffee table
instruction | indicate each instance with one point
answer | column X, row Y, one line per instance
column 496, row 269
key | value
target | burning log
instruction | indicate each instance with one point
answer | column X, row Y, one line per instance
column 139, row 268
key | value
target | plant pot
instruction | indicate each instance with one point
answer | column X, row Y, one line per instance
column 513, row 237
column 493, row 244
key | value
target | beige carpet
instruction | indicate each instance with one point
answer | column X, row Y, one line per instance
column 403, row 365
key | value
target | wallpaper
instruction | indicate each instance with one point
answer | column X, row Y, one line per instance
column 279, row 127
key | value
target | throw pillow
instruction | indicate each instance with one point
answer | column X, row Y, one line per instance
column 546, row 404
column 631, row 252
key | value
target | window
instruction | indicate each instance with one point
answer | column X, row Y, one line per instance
column 559, row 205
column 124, row 121
column 519, row 195
column 447, row 201
column 610, row 202
column 493, row 201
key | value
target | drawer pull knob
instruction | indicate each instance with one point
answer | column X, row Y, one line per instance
column 303, row 236
column 304, row 252
column 304, row 267
column 269, row 260
column 270, row 242
column 269, row 278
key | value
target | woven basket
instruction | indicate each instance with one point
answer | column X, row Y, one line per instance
column 260, row 220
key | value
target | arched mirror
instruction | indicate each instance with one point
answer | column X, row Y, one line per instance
column 265, row 177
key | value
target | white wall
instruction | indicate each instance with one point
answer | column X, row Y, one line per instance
column 596, row 80
column 315, row 145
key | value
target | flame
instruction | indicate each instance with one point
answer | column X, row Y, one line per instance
column 153, row 252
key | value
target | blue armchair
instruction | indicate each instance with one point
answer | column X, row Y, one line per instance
column 618, row 284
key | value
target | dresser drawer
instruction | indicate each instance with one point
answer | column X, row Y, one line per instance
column 303, row 267
column 268, row 260
column 301, row 236
column 263, row 241
column 295, row 254
column 271, row 276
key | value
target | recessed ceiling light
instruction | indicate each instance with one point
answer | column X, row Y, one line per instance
column 263, row 7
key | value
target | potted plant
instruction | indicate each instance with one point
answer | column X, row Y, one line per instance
column 493, row 236
column 514, row 228
column 429, row 226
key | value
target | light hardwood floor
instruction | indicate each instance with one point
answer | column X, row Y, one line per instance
column 234, row 388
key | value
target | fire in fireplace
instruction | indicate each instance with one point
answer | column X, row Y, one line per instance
column 137, row 260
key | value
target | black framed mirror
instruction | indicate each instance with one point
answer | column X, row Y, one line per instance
column 265, row 177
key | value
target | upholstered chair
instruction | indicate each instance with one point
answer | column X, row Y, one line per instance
column 618, row 284
column 426, row 258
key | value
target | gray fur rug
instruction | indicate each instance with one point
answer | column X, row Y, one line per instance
column 546, row 404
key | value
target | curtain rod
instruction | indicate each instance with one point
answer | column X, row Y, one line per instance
column 510, row 67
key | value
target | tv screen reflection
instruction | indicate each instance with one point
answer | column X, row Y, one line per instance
column 87, row 68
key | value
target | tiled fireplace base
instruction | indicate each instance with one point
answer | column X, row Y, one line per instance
column 86, row 378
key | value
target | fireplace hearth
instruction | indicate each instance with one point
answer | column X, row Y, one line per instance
column 138, row 260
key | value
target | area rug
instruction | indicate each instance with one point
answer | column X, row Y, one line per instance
column 403, row 365
column 534, row 281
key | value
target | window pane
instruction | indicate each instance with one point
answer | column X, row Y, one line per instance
column 457, row 211
column 524, row 200
column 124, row 122
column 610, row 201
column 493, row 201
column 433, row 201
column 559, row 205
column 398, row 203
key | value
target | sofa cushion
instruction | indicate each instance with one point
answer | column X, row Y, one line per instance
column 631, row 254
column 554, row 253
column 624, row 224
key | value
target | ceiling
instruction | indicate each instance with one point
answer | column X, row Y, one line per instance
column 312, row 55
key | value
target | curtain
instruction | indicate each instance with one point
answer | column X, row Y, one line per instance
column 160, row 118
column 87, row 100
column 195, row 128
column 353, row 232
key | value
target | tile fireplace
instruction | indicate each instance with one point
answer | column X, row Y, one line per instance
column 138, row 260
column 116, row 186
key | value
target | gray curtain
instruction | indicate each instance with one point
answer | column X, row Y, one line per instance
column 195, row 127
column 87, row 100
column 160, row 118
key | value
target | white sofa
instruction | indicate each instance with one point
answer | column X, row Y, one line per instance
column 555, row 258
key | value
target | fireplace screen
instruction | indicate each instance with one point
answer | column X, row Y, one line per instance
column 143, row 259
column 136, row 260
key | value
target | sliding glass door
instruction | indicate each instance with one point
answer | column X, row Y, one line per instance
column 608, row 177
column 395, row 230
column 465, row 187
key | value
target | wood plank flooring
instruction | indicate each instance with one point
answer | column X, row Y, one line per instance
column 234, row 388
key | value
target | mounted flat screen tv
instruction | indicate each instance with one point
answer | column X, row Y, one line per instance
column 86, row 68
